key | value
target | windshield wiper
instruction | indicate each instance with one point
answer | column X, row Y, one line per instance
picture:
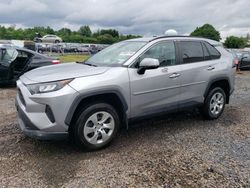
column 85, row 63
column 89, row 64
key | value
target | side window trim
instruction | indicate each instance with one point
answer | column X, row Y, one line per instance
column 135, row 62
column 205, row 48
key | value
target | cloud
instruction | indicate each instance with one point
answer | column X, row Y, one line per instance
column 145, row 17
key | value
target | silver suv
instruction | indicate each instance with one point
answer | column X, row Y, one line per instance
column 137, row 78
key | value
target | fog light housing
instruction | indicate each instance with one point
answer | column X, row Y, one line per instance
column 50, row 114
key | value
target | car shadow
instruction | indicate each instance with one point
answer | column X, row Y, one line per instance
column 54, row 159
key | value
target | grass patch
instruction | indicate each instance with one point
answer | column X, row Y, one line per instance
column 72, row 58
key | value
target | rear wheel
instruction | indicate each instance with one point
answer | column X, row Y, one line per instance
column 214, row 103
column 96, row 126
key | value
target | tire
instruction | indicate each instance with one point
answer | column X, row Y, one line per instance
column 57, row 41
column 90, row 131
column 214, row 103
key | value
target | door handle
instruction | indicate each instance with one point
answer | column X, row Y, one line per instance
column 175, row 75
column 210, row 68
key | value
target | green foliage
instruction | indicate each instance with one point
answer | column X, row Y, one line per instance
column 72, row 58
column 206, row 31
column 111, row 32
column 85, row 31
column 235, row 42
column 83, row 35
column 106, row 39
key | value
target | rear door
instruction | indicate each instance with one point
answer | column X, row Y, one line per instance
column 197, row 67
column 47, row 38
column 157, row 90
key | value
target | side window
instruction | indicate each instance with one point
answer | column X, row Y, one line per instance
column 191, row 51
column 164, row 52
column 214, row 54
column 22, row 54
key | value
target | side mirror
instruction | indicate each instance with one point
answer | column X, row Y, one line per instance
column 148, row 63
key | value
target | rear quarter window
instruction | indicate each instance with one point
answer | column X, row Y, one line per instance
column 214, row 53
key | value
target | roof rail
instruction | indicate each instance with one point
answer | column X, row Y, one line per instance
column 173, row 36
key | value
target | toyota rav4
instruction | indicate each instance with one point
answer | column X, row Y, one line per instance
column 133, row 79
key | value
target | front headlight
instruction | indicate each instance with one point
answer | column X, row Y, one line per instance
column 47, row 87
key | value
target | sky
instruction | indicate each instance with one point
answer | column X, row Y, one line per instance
column 143, row 17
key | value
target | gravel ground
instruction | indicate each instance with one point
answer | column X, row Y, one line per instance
column 181, row 150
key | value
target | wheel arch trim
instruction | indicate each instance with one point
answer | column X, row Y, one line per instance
column 218, row 79
column 81, row 97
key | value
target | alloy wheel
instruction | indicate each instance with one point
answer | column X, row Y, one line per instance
column 99, row 127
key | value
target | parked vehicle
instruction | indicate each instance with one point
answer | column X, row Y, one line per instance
column 237, row 58
column 244, row 61
column 49, row 39
column 130, row 80
column 16, row 61
column 41, row 48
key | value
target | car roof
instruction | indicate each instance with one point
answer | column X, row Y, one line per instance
column 177, row 37
column 25, row 50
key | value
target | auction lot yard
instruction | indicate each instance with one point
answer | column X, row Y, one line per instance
column 181, row 150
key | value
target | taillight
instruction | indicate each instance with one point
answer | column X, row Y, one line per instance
column 236, row 61
column 54, row 62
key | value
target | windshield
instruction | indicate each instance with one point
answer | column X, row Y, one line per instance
column 116, row 54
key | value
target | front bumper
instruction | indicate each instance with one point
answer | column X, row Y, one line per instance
column 35, row 120
column 30, row 130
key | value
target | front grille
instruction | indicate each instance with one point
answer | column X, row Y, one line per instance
column 21, row 97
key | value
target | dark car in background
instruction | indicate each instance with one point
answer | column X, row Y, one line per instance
column 16, row 61
column 244, row 63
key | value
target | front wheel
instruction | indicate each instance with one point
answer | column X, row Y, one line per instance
column 96, row 126
column 214, row 103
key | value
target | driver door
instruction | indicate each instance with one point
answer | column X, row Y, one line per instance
column 157, row 90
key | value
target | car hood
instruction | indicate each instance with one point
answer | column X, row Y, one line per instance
column 61, row 72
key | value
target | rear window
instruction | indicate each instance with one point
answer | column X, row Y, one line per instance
column 214, row 54
column 191, row 51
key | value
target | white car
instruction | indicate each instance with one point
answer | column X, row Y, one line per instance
column 50, row 39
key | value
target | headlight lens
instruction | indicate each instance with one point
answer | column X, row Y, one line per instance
column 47, row 87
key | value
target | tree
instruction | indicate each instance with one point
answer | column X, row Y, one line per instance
column 206, row 31
column 112, row 32
column 106, row 39
column 248, row 36
column 64, row 32
column 84, row 34
column 235, row 42
column 85, row 31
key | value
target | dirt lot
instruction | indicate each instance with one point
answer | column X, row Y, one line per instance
column 181, row 150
